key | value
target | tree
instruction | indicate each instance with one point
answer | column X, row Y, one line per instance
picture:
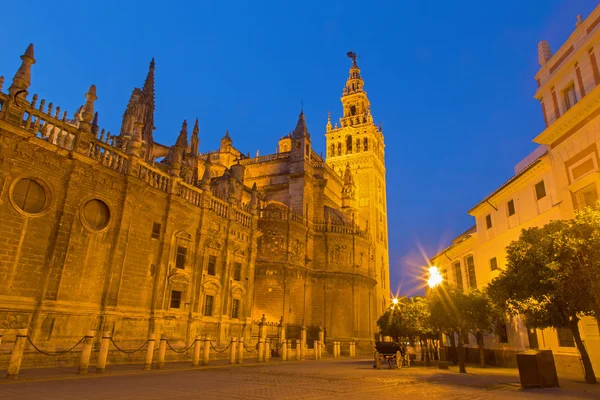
column 449, row 310
column 543, row 281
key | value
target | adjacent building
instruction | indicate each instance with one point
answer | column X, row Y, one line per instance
column 559, row 177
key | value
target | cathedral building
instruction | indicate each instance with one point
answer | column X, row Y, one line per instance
column 122, row 234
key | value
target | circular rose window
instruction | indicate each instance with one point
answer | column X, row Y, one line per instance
column 97, row 214
column 29, row 196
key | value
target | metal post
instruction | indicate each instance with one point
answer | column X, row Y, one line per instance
column 103, row 353
column 232, row 349
column 16, row 356
column 86, row 352
column 149, row 352
column 206, row 350
column 197, row 347
column 240, row 354
column 162, row 350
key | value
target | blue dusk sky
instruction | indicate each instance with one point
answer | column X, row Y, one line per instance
column 451, row 81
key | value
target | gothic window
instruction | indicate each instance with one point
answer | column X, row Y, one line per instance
column 349, row 145
column 155, row 230
column 175, row 299
column 235, row 308
column 237, row 271
column 353, row 108
column 181, row 257
column 212, row 265
column 357, row 145
column 339, row 153
column 365, row 144
column 29, row 196
column 332, row 150
column 208, row 305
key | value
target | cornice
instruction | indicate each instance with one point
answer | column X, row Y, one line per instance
column 569, row 120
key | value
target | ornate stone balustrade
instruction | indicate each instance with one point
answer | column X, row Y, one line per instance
column 269, row 157
column 154, row 177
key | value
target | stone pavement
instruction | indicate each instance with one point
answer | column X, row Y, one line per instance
column 332, row 378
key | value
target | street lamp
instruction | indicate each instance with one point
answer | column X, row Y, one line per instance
column 435, row 278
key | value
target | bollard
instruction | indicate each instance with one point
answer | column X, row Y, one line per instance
column 284, row 353
column 352, row 349
column 86, row 352
column 289, row 349
column 16, row 356
column 261, row 350
column 149, row 352
column 197, row 347
column 336, row 349
column 303, row 341
column 298, row 350
column 316, row 347
column 162, row 350
column 240, row 354
column 232, row 349
column 267, row 350
column 103, row 353
column 206, row 350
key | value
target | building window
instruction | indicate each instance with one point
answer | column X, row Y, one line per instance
column 365, row 144
column 235, row 308
column 570, row 97
column 540, row 190
column 470, row 264
column 565, row 337
column 237, row 271
column 586, row 197
column 156, row 230
column 493, row 264
column 181, row 256
column 583, row 168
column 511, row 208
column 175, row 299
column 458, row 275
column 488, row 221
column 212, row 265
column 29, row 196
column 208, row 305
column 502, row 333
column 349, row 145
column 96, row 214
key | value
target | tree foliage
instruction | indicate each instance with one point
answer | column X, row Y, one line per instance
column 547, row 269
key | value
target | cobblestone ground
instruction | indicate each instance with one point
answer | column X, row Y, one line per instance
column 325, row 379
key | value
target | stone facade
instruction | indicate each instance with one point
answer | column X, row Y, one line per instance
column 121, row 234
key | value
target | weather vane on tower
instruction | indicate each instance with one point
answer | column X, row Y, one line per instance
column 352, row 55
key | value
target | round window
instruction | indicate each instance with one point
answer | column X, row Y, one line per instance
column 29, row 196
column 96, row 213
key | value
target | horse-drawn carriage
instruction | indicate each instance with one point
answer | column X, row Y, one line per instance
column 392, row 353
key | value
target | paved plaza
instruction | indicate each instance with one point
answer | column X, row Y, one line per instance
column 348, row 379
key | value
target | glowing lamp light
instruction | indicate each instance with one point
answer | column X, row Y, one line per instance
column 394, row 301
column 435, row 278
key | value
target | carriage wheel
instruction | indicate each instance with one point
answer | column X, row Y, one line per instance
column 377, row 360
column 398, row 360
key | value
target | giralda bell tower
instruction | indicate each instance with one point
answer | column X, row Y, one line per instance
column 358, row 142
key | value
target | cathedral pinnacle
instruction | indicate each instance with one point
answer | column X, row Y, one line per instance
column 195, row 141
column 182, row 138
column 22, row 78
column 301, row 129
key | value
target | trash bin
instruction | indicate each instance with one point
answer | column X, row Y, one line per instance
column 537, row 369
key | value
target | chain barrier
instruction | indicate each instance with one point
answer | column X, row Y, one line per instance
column 54, row 353
column 128, row 351
column 220, row 351
column 249, row 351
column 184, row 350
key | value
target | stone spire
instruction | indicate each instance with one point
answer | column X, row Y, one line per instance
column 328, row 127
column 301, row 129
column 87, row 113
column 226, row 143
column 544, row 52
column 205, row 182
column 183, row 134
column 195, row 141
column 95, row 124
column 22, row 79
column 254, row 200
column 147, row 98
